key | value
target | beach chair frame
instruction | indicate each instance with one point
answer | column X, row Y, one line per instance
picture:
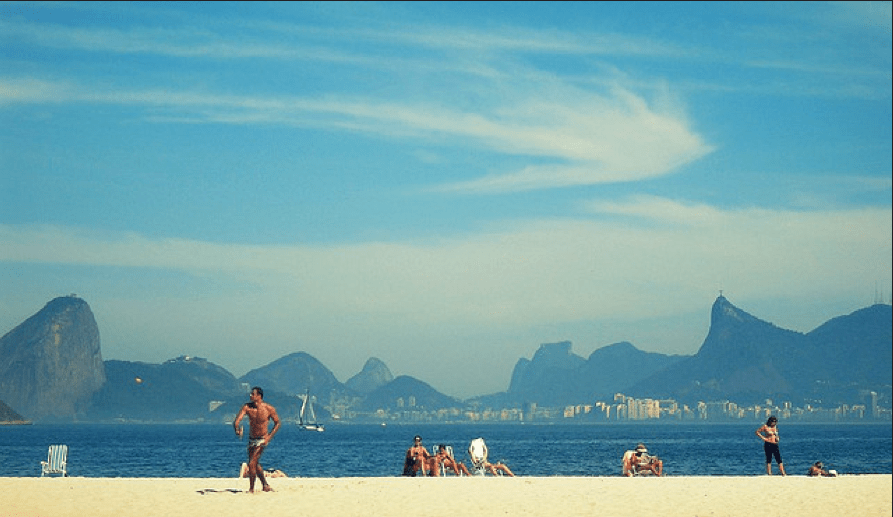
column 444, row 471
column 57, row 461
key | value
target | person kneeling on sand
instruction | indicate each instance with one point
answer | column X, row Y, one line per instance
column 270, row 473
column 817, row 469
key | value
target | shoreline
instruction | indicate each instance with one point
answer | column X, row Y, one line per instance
column 852, row 495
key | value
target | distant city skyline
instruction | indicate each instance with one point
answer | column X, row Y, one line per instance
column 443, row 186
column 634, row 409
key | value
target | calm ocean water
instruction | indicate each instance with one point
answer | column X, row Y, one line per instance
column 373, row 451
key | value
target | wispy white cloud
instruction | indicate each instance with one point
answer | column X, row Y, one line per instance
column 524, row 40
column 663, row 211
column 308, row 42
column 841, row 69
column 182, row 42
column 29, row 90
column 601, row 138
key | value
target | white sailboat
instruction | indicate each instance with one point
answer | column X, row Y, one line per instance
column 307, row 419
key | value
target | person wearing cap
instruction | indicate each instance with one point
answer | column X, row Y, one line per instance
column 645, row 462
column 818, row 469
column 639, row 461
column 416, row 458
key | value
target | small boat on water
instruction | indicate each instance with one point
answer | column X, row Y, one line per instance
column 307, row 419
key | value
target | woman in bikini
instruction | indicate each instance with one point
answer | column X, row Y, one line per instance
column 416, row 458
column 443, row 457
column 769, row 434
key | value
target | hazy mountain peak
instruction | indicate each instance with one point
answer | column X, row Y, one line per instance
column 51, row 364
column 724, row 312
column 294, row 374
column 559, row 355
column 374, row 375
column 614, row 351
column 410, row 392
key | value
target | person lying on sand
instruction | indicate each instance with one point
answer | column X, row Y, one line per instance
column 818, row 469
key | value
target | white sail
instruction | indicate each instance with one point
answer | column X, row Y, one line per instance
column 307, row 419
column 312, row 419
column 303, row 409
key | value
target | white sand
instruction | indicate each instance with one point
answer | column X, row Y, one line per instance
column 792, row 496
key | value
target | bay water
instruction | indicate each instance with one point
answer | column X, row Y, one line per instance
column 346, row 450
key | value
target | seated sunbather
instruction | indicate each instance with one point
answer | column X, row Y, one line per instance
column 478, row 452
column 444, row 458
column 639, row 461
column 416, row 458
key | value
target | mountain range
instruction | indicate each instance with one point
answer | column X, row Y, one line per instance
column 51, row 369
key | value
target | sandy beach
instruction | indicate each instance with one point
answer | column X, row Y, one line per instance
column 855, row 495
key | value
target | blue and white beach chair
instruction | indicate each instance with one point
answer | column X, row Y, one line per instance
column 56, row 463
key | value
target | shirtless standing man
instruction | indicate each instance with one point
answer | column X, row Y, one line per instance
column 259, row 414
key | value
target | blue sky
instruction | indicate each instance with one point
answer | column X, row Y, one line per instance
column 443, row 186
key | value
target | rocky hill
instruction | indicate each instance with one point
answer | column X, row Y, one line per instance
column 51, row 364
column 747, row 359
column 181, row 389
column 556, row 376
column 407, row 393
column 374, row 375
column 294, row 374
column 8, row 416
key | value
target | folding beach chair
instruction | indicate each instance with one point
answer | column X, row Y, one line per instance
column 444, row 471
column 56, row 463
